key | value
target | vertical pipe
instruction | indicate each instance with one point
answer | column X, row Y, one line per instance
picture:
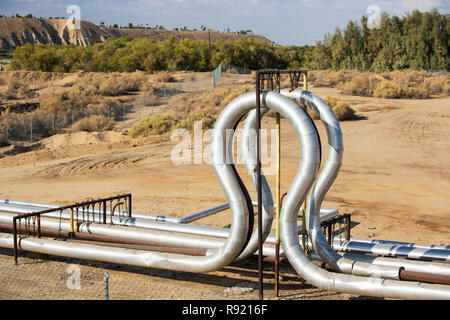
column 330, row 232
column 72, row 229
column 305, row 82
column 129, row 205
column 259, row 189
column 278, row 197
column 38, row 221
column 349, row 225
column 104, row 212
column 15, row 239
column 304, row 227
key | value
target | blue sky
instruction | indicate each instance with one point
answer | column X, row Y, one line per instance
column 286, row 22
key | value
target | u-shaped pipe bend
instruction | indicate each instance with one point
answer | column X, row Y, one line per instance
column 376, row 284
column 324, row 182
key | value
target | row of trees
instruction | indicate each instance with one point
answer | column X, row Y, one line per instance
column 415, row 41
column 128, row 55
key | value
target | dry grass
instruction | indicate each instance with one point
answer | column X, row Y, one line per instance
column 341, row 109
column 3, row 141
column 16, row 89
column 408, row 84
column 393, row 90
column 155, row 125
column 95, row 123
column 162, row 76
column 204, row 106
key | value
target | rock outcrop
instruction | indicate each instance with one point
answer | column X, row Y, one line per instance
column 15, row 32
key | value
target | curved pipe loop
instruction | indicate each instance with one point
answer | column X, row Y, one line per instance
column 248, row 149
column 375, row 285
column 324, row 182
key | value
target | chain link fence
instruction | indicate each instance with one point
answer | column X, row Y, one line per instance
column 36, row 125
column 33, row 125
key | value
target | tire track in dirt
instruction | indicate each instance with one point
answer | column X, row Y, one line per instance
column 89, row 164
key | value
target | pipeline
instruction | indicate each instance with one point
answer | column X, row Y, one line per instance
column 321, row 187
column 238, row 234
column 305, row 267
column 155, row 225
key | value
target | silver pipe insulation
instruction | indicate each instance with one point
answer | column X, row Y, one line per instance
column 248, row 148
column 6, row 204
column 201, row 242
column 96, row 252
column 394, row 243
column 144, row 224
column 305, row 267
column 302, row 183
column 389, row 250
column 187, row 219
column 322, row 185
column 215, row 259
column 153, row 237
column 223, row 168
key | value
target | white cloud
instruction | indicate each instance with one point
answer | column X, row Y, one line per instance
column 402, row 6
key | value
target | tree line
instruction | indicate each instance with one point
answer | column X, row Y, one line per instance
column 127, row 55
column 415, row 41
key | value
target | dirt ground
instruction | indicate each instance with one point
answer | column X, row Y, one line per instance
column 395, row 181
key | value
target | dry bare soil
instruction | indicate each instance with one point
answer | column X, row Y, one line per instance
column 395, row 181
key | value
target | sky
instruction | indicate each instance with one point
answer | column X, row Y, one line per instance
column 287, row 22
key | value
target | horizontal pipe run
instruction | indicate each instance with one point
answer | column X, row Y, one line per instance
column 160, row 226
column 206, row 232
column 154, row 237
column 395, row 243
column 155, row 248
column 429, row 268
column 424, row 277
column 12, row 204
column 91, row 252
column 392, row 250
column 117, row 242
column 130, row 236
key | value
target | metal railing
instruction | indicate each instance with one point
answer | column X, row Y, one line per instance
column 329, row 227
column 95, row 211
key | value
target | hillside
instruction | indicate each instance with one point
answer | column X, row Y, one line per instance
column 15, row 32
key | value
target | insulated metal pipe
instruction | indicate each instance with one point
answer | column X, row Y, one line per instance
column 154, row 225
column 321, row 187
column 234, row 192
column 305, row 267
column 248, row 149
column 7, row 205
column 187, row 219
column 389, row 250
column 394, row 243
